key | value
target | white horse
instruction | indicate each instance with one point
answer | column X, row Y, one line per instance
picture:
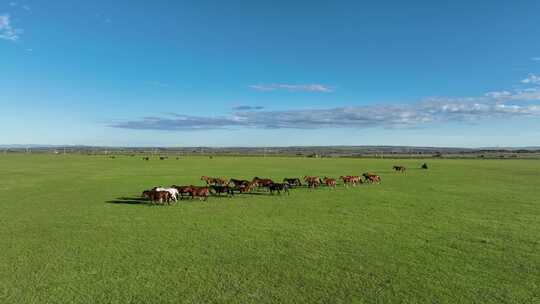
column 174, row 192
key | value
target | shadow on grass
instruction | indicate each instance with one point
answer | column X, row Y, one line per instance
column 256, row 193
column 130, row 201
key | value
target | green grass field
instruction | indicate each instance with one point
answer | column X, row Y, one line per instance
column 465, row 231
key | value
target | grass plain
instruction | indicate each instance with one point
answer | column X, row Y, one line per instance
column 465, row 231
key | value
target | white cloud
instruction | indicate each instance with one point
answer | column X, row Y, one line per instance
column 390, row 116
column 7, row 32
column 532, row 79
column 432, row 110
column 529, row 94
column 293, row 87
column 16, row 4
column 499, row 104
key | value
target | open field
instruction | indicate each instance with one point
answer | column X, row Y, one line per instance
column 464, row 231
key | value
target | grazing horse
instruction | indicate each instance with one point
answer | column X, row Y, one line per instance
column 424, row 166
column 217, row 189
column 371, row 178
column 330, row 182
column 293, row 182
column 279, row 187
column 401, row 169
column 163, row 157
column 146, row 158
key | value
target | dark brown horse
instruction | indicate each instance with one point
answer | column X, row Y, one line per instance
column 184, row 190
column 217, row 190
column 278, row 187
column 157, row 196
column 401, row 169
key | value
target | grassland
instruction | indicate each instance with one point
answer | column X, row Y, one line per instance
column 465, row 231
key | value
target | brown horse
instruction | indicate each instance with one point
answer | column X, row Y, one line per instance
column 238, row 182
column 351, row 180
column 330, row 182
column 313, row 181
column 372, row 178
column 183, row 190
column 201, row 192
column 157, row 196
column 214, row 180
column 246, row 187
column 262, row 182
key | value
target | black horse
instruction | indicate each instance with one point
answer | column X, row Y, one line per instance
column 278, row 187
column 218, row 189
column 400, row 169
column 293, row 182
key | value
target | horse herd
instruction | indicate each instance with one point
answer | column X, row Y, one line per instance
column 218, row 186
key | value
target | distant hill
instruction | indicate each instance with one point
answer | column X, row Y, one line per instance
column 316, row 151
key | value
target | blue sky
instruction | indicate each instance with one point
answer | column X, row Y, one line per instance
column 255, row 73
